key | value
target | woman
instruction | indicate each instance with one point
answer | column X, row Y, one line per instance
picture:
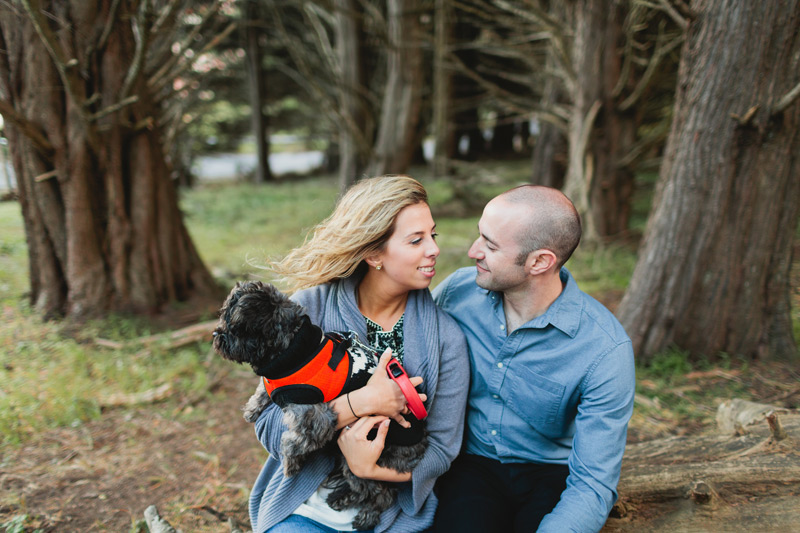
column 367, row 268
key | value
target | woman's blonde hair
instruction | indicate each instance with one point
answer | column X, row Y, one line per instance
column 361, row 223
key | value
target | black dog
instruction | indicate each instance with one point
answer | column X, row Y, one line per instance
column 302, row 368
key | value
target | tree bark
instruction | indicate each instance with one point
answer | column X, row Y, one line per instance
column 713, row 271
column 257, row 92
column 101, row 213
column 599, row 135
column 442, row 89
column 402, row 98
column 352, row 108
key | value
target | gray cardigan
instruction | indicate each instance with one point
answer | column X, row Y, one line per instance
column 434, row 349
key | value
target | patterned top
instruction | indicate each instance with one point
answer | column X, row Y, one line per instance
column 380, row 340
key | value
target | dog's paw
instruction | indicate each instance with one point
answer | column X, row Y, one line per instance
column 366, row 519
column 292, row 464
column 257, row 403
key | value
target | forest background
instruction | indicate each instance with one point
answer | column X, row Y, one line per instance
column 672, row 125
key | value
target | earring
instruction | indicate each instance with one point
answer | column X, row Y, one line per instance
column 378, row 267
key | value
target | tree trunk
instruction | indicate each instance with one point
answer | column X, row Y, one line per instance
column 613, row 184
column 442, row 89
column 548, row 162
column 352, row 108
column 257, row 91
column 599, row 136
column 101, row 213
column 402, row 99
column 550, row 152
column 713, row 271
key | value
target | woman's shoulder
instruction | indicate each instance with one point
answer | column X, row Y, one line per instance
column 312, row 298
column 449, row 330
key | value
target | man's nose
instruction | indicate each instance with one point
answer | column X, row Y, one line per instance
column 474, row 251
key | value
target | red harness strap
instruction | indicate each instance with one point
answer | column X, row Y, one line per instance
column 317, row 373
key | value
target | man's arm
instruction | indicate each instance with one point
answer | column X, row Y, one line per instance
column 600, row 433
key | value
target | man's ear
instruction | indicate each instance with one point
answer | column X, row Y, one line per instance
column 540, row 261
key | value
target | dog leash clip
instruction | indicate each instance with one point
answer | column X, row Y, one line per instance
column 398, row 374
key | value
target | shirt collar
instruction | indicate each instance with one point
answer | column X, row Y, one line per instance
column 564, row 314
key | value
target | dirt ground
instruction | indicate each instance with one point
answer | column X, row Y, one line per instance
column 196, row 463
column 197, row 459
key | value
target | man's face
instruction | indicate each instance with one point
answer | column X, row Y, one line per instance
column 496, row 249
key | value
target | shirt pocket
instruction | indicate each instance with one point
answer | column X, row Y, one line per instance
column 534, row 398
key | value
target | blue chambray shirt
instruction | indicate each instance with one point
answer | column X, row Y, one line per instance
column 557, row 390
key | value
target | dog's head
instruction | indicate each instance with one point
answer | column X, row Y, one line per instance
column 256, row 323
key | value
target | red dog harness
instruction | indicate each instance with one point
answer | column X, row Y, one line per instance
column 327, row 371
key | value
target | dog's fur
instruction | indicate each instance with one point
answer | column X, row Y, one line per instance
column 257, row 325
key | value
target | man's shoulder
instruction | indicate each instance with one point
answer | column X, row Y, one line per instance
column 599, row 315
column 462, row 278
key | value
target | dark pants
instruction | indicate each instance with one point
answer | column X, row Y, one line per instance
column 483, row 495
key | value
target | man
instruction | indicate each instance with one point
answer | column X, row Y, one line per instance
column 552, row 378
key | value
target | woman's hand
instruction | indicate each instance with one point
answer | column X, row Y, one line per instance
column 382, row 396
column 362, row 454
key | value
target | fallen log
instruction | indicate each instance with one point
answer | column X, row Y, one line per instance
column 741, row 477
column 169, row 340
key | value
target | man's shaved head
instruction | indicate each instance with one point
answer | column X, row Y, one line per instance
column 550, row 221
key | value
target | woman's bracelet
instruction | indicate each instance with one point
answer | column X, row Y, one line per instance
column 351, row 405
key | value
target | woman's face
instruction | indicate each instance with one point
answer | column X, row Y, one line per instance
column 408, row 259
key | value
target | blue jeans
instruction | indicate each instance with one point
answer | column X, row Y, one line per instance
column 300, row 524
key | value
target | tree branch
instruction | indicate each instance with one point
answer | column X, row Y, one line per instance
column 786, row 100
column 157, row 79
column 662, row 50
column 186, row 65
column 26, row 127
column 142, row 35
column 115, row 107
column 112, row 17
column 64, row 66
column 674, row 15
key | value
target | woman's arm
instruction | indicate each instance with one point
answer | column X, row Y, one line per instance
column 445, row 422
column 445, row 425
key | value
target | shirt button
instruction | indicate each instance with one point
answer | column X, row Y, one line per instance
column 502, row 327
column 499, row 365
column 495, row 396
column 494, row 432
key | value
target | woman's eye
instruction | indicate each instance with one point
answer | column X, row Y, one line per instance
column 434, row 235
column 416, row 241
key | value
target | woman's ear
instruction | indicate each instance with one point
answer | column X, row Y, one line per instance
column 373, row 261
column 540, row 261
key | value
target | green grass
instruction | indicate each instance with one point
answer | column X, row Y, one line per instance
column 13, row 253
column 54, row 374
